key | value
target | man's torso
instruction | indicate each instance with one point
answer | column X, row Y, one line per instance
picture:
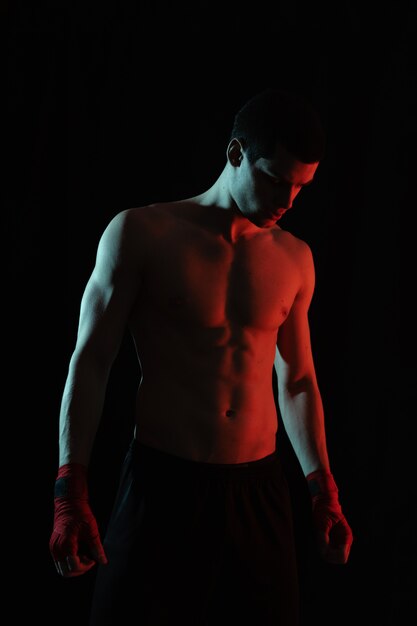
column 205, row 328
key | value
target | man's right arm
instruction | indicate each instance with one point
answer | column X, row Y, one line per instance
column 106, row 304
column 110, row 294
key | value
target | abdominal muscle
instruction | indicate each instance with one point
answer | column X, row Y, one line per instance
column 212, row 406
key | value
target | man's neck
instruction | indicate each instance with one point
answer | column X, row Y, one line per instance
column 225, row 213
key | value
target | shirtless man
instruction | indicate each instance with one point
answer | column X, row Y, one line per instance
column 213, row 292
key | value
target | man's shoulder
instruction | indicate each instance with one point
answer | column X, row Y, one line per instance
column 139, row 219
column 146, row 225
column 294, row 244
column 147, row 214
column 141, row 213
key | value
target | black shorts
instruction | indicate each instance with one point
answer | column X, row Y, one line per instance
column 198, row 544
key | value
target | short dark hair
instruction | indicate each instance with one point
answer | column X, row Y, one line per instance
column 277, row 116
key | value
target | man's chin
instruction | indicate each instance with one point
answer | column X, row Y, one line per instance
column 267, row 222
column 263, row 221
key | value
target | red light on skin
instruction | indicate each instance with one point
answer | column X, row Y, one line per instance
column 276, row 216
column 280, row 214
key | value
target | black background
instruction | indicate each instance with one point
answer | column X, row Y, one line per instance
column 110, row 108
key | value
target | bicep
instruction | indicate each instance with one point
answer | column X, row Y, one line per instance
column 293, row 357
column 102, row 320
column 109, row 295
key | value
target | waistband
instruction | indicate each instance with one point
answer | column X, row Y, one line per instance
column 167, row 463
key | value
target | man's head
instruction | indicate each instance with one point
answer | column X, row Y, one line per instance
column 275, row 116
column 275, row 147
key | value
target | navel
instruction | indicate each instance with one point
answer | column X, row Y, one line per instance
column 230, row 413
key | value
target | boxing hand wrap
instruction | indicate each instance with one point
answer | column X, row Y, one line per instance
column 321, row 484
column 74, row 523
column 71, row 482
column 328, row 518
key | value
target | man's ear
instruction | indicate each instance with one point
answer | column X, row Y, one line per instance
column 234, row 152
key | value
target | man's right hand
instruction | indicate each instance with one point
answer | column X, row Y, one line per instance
column 75, row 543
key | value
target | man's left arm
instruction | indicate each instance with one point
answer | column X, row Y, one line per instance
column 302, row 413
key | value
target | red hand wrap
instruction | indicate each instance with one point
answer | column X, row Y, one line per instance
column 74, row 523
column 327, row 512
column 321, row 483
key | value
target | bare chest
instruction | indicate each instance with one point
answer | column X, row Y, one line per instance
column 199, row 280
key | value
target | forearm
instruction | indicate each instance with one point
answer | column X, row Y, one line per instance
column 81, row 409
column 303, row 418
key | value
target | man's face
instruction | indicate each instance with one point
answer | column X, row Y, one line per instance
column 265, row 190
